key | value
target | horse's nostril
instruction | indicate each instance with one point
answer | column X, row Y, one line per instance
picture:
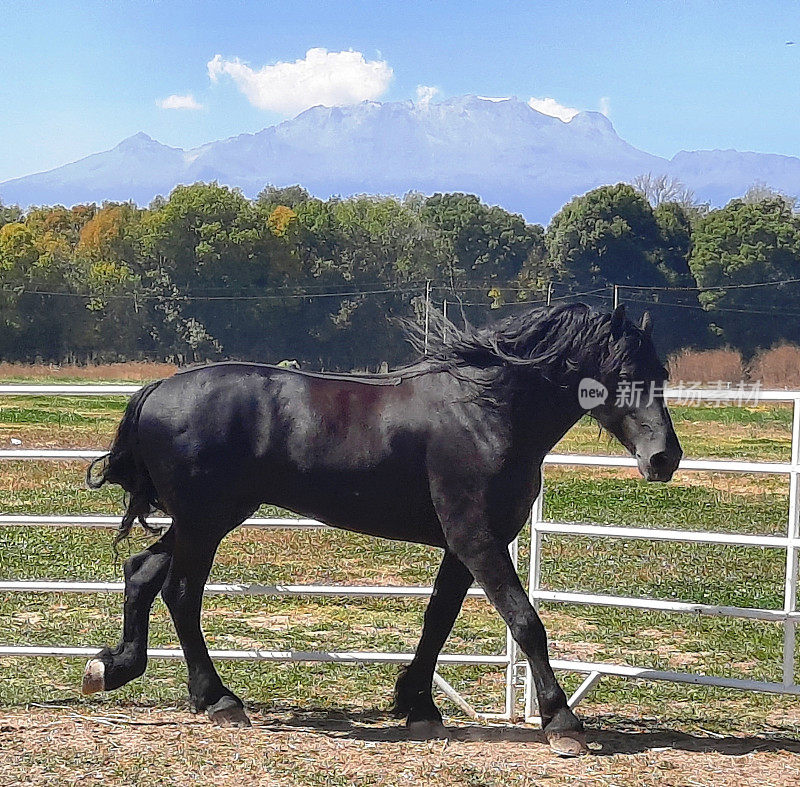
column 661, row 462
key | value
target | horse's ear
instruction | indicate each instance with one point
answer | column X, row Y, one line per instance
column 617, row 321
column 647, row 324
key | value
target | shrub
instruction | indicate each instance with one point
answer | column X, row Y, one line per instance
column 706, row 366
column 778, row 367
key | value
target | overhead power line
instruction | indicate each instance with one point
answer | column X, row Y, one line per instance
column 722, row 309
column 709, row 289
column 148, row 296
column 418, row 288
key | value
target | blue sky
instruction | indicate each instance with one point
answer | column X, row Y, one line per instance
column 77, row 77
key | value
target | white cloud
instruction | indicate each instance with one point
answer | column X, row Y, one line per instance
column 425, row 94
column 495, row 99
column 549, row 106
column 322, row 77
column 605, row 105
column 179, row 102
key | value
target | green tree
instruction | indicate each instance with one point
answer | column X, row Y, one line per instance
column 607, row 236
column 109, row 255
column 363, row 244
column 478, row 243
column 205, row 244
column 671, row 255
column 747, row 243
column 681, row 320
column 613, row 236
column 10, row 214
column 288, row 196
column 50, row 319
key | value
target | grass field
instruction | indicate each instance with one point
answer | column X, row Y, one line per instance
column 338, row 708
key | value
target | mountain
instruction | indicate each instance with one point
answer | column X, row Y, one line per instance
column 502, row 150
column 718, row 175
column 137, row 169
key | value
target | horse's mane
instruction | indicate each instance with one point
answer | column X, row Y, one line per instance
column 557, row 343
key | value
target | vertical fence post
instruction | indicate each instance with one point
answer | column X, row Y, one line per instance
column 792, row 533
column 427, row 311
column 534, row 578
column 511, row 651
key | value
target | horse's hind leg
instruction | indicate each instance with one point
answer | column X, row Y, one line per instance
column 413, row 696
column 183, row 592
column 145, row 573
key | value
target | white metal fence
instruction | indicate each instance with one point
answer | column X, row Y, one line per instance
column 517, row 675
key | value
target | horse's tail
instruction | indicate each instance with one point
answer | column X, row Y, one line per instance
column 123, row 465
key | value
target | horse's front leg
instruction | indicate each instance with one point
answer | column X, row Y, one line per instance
column 413, row 691
column 183, row 593
column 145, row 573
column 462, row 513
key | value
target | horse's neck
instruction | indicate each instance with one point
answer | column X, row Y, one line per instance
column 544, row 415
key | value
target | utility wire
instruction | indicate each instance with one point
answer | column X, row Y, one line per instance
column 414, row 287
column 144, row 297
column 585, row 294
column 725, row 309
column 702, row 289
column 221, row 290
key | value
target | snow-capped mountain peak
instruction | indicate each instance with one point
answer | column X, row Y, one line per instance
column 499, row 148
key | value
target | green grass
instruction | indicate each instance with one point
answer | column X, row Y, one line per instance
column 700, row 573
column 570, row 496
column 59, row 410
column 757, row 433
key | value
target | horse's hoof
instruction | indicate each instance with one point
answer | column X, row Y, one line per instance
column 426, row 730
column 567, row 744
column 227, row 713
column 94, row 677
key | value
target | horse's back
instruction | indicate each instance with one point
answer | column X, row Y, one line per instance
column 230, row 437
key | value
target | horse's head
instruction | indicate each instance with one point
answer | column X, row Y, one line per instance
column 634, row 410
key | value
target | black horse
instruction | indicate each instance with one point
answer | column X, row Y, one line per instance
column 446, row 452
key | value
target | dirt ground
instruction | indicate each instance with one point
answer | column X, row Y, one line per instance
column 73, row 745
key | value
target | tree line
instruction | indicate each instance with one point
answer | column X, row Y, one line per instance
column 207, row 273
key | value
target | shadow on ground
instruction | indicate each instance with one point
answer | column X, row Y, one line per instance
column 607, row 734
column 378, row 726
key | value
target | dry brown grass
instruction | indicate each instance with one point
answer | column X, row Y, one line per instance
column 707, row 366
column 139, row 746
column 778, row 367
column 133, row 370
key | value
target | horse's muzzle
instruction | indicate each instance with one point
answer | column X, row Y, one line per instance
column 660, row 466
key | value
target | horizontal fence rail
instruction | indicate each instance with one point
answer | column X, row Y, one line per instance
column 790, row 543
column 257, row 654
column 409, row 591
column 788, row 616
column 117, row 389
column 575, row 460
column 235, row 589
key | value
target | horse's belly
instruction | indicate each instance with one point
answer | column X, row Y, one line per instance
column 385, row 503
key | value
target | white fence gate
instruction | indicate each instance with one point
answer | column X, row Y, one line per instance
column 517, row 675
